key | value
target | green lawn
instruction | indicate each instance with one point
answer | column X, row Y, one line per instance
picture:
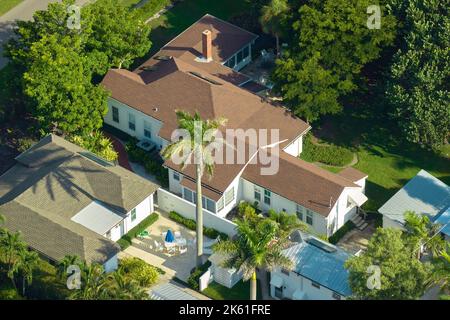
column 183, row 14
column 129, row 3
column 6, row 5
column 241, row 291
column 390, row 162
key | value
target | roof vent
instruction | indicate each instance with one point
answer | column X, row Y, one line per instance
column 162, row 58
column 148, row 68
column 198, row 75
column 155, row 109
column 322, row 245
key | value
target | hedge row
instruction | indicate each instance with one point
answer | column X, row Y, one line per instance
column 327, row 154
column 193, row 280
column 125, row 241
column 349, row 225
column 138, row 155
column 191, row 224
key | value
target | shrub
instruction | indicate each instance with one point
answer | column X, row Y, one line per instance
column 96, row 143
column 139, row 270
column 349, row 225
column 327, row 154
column 125, row 241
column 24, row 144
column 191, row 224
column 196, row 274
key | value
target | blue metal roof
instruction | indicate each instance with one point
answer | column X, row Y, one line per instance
column 444, row 220
column 318, row 265
column 423, row 194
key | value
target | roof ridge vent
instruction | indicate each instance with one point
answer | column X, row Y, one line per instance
column 199, row 75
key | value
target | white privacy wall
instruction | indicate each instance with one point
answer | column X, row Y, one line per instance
column 168, row 201
column 296, row 147
column 124, row 110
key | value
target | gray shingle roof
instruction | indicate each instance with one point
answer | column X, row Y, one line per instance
column 51, row 183
column 423, row 194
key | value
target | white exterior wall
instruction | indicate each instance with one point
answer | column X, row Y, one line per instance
column 295, row 148
column 111, row 264
column 340, row 213
column 278, row 203
column 143, row 210
column 295, row 281
column 174, row 185
column 168, row 201
column 124, row 110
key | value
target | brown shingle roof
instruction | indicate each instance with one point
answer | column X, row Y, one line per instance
column 51, row 183
column 301, row 182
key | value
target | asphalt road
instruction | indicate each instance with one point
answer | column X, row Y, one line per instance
column 23, row 11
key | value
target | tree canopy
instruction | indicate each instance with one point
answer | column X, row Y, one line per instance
column 330, row 44
column 418, row 77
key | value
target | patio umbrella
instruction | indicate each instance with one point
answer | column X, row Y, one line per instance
column 169, row 236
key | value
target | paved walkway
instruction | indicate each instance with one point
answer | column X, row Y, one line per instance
column 23, row 11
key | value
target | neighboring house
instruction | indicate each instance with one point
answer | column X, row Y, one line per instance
column 423, row 194
column 190, row 74
column 67, row 201
column 318, row 272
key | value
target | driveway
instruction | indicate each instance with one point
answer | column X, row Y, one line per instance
column 23, row 11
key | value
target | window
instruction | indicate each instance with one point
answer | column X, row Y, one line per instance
column 133, row 214
column 285, row 271
column 131, row 122
column 176, row 176
column 284, row 210
column 188, row 195
column 115, row 114
column 210, row 205
column 229, row 196
column 240, row 56
column 315, row 284
column 309, row 217
column 267, row 195
column 279, row 292
column 257, row 194
column 147, row 130
column 299, row 211
column 232, row 62
column 336, row 296
column 246, row 52
column 220, row 204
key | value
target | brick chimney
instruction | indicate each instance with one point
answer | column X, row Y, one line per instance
column 207, row 45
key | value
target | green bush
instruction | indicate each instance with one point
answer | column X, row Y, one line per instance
column 191, row 224
column 196, row 274
column 349, row 225
column 125, row 241
column 137, row 269
column 327, row 154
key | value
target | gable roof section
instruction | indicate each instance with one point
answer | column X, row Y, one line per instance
column 352, row 174
column 423, row 194
column 301, row 182
column 40, row 200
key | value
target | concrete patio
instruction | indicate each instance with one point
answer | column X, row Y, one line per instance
column 176, row 265
column 357, row 240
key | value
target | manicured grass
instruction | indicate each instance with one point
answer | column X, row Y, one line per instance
column 6, row 5
column 390, row 162
column 128, row 3
column 325, row 153
column 241, row 291
column 183, row 14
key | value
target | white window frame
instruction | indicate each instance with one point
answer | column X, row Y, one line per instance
column 309, row 214
column 131, row 122
column 133, row 212
column 113, row 108
column 267, row 195
column 147, row 128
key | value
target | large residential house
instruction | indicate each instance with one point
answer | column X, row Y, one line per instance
column 198, row 71
column 66, row 201
column 423, row 194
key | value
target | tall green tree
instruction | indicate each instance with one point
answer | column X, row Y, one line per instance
column 273, row 19
column 418, row 79
column 440, row 275
column 259, row 244
column 59, row 83
column 402, row 275
column 27, row 263
column 196, row 149
column 12, row 250
column 330, row 45
column 123, row 288
column 93, row 282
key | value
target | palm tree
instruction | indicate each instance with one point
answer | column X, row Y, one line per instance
column 123, row 288
column 440, row 274
column 92, row 283
column 287, row 222
column 11, row 250
column 63, row 265
column 200, row 130
column 259, row 244
column 28, row 261
column 272, row 18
